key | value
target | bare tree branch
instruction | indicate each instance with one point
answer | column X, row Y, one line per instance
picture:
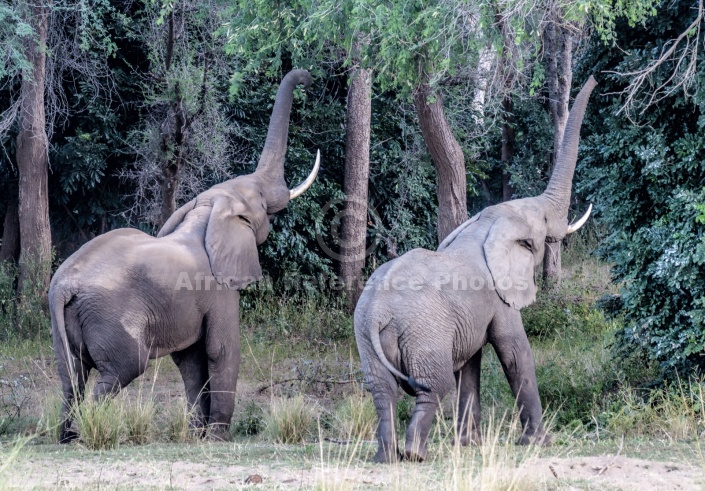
column 680, row 76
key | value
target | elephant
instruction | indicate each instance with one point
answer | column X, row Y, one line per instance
column 424, row 317
column 126, row 297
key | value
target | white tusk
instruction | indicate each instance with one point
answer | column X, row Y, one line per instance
column 301, row 188
column 575, row 226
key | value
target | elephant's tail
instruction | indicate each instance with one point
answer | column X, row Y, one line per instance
column 377, row 345
column 58, row 298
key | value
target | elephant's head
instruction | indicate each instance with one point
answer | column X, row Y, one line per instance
column 513, row 234
column 233, row 217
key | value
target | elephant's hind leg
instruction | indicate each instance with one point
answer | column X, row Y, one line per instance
column 193, row 366
column 118, row 357
column 73, row 378
column 416, row 447
column 383, row 387
column 73, row 385
column 469, row 414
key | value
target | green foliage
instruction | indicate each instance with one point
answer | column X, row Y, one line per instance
column 647, row 183
column 14, row 31
column 250, row 421
column 405, row 409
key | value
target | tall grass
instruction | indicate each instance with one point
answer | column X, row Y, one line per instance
column 290, row 420
column 355, row 417
column 100, row 422
column 673, row 412
column 139, row 421
column 498, row 464
column 50, row 420
column 178, row 422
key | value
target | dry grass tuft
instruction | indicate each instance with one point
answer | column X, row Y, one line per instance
column 290, row 420
column 356, row 417
column 100, row 422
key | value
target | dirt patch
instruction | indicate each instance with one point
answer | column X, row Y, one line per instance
column 549, row 473
column 614, row 472
column 91, row 474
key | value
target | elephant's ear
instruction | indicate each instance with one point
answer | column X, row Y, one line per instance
column 510, row 258
column 230, row 245
column 176, row 218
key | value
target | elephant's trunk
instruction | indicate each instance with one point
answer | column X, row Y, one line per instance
column 271, row 162
column 558, row 190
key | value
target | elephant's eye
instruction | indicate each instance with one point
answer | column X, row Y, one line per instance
column 527, row 244
column 245, row 219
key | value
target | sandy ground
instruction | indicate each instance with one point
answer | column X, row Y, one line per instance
column 615, row 473
column 607, row 472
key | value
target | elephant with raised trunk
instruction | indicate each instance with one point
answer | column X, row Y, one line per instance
column 126, row 297
column 424, row 317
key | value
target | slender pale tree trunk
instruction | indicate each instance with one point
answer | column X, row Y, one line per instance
column 559, row 73
column 357, row 171
column 33, row 160
column 10, row 250
column 447, row 156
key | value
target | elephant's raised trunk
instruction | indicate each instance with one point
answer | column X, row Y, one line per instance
column 558, row 190
column 271, row 162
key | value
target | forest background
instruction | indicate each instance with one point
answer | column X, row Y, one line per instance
column 114, row 113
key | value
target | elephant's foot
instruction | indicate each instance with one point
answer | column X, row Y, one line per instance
column 541, row 438
column 415, row 455
column 386, row 456
column 68, row 436
column 473, row 437
column 69, row 432
column 415, row 451
column 219, row 433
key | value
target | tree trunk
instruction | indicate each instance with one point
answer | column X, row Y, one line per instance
column 357, row 171
column 508, row 140
column 33, row 162
column 10, row 250
column 508, row 135
column 172, row 143
column 171, row 136
column 447, row 156
column 174, row 130
column 559, row 73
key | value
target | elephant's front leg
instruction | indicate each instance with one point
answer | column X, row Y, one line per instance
column 469, row 414
column 223, row 352
column 512, row 346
